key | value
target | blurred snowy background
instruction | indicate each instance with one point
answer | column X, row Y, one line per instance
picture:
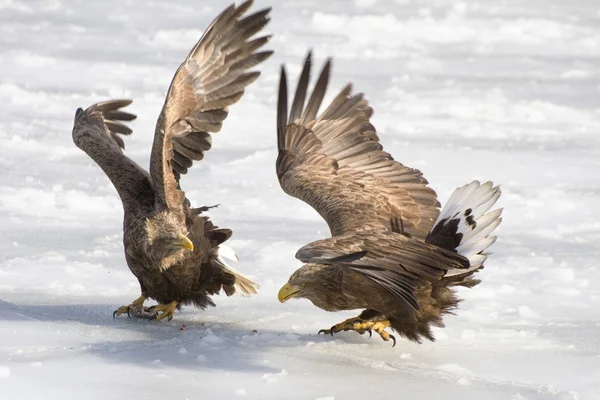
column 504, row 90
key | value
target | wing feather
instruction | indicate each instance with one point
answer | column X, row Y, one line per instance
column 213, row 76
column 97, row 131
column 335, row 163
column 395, row 262
column 113, row 117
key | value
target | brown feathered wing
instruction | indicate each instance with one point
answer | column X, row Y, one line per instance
column 97, row 131
column 397, row 263
column 213, row 77
column 335, row 163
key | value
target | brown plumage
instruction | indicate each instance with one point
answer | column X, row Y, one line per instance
column 169, row 246
column 392, row 252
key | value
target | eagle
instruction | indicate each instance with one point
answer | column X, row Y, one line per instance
column 392, row 253
column 174, row 251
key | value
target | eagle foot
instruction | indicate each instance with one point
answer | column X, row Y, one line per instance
column 135, row 309
column 343, row 326
column 379, row 327
column 360, row 326
column 165, row 310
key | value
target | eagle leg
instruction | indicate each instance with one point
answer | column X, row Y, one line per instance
column 166, row 311
column 360, row 326
column 135, row 308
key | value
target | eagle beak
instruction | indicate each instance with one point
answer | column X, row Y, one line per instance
column 287, row 292
column 184, row 242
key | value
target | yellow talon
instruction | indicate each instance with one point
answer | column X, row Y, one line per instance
column 360, row 326
column 342, row 326
column 137, row 304
column 166, row 310
column 120, row 310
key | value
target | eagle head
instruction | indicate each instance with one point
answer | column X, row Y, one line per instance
column 167, row 239
column 302, row 283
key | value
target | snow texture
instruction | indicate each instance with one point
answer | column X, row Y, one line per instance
column 507, row 91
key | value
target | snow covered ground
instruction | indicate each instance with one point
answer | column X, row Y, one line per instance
column 505, row 90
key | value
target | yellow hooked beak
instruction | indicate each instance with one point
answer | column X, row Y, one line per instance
column 287, row 292
column 184, row 242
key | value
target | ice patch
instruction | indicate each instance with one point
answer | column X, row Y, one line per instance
column 4, row 372
column 528, row 313
column 364, row 3
column 272, row 378
column 201, row 358
column 467, row 334
column 16, row 6
column 210, row 338
column 174, row 38
column 454, row 369
column 463, row 382
column 575, row 74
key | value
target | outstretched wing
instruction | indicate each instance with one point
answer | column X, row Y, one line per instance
column 335, row 163
column 97, row 131
column 395, row 262
column 212, row 77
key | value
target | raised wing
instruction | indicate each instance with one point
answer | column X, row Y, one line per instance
column 97, row 131
column 335, row 163
column 212, row 77
column 395, row 262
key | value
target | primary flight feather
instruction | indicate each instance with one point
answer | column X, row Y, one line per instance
column 171, row 248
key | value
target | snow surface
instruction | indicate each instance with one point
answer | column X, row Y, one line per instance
column 505, row 90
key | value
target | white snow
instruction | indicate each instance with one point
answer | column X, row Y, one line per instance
column 507, row 91
column 4, row 372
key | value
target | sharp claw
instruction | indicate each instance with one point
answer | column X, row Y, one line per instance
column 370, row 333
column 321, row 331
column 394, row 339
column 128, row 314
column 115, row 314
column 331, row 330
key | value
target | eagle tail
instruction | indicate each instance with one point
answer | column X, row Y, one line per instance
column 465, row 224
column 243, row 285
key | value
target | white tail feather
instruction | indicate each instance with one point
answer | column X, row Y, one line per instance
column 485, row 225
column 243, row 286
column 470, row 204
column 473, row 248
